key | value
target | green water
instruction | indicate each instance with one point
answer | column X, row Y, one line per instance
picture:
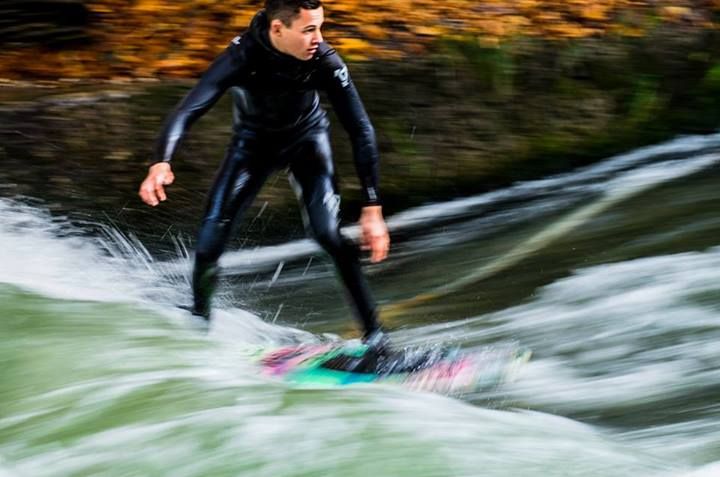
column 102, row 389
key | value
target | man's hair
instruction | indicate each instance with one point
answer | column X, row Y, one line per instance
column 287, row 10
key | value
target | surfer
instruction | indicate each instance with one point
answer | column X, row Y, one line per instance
column 274, row 72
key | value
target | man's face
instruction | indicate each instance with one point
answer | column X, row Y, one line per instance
column 302, row 37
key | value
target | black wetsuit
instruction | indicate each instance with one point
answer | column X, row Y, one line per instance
column 278, row 123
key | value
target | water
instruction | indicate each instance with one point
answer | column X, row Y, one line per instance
column 609, row 274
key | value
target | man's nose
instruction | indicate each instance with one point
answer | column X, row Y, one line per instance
column 318, row 37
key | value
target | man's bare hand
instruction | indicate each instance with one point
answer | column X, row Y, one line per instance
column 375, row 235
column 152, row 189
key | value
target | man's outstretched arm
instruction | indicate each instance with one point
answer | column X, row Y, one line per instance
column 211, row 86
column 349, row 108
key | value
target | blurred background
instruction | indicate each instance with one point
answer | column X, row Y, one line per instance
column 548, row 171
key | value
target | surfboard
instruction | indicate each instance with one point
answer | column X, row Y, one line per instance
column 440, row 370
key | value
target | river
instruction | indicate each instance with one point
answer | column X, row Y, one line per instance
column 610, row 274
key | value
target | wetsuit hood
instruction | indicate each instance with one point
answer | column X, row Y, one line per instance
column 260, row 32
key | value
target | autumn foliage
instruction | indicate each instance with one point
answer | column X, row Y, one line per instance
column 151, row 38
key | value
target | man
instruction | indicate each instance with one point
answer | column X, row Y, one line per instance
column 274, row 72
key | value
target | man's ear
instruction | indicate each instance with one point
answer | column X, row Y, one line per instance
column 276, row 26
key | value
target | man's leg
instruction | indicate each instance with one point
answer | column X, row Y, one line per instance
column 236, row 184
column 313, row 178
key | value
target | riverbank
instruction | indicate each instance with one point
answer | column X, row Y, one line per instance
column 469, row 118
column 462, row 119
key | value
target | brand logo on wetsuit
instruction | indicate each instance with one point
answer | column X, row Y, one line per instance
column 236, row 40
column 332, row 203
column 343, row 76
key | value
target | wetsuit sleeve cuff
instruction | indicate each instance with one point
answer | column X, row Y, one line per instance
column 157, row 161
column 371, row 197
